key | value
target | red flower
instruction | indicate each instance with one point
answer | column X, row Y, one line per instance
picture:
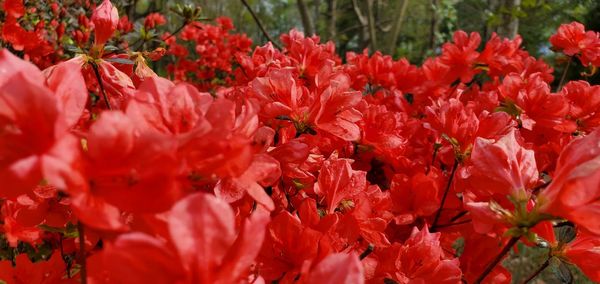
column 202, row 233
column 530, row 101
column 105, row 19
column 569, row 38
column 289, row 244
column 584, row 104
column 14, row 8
column 334, row 111
column 263, row 171
column 583, row 252
column 502, row 167
column 43, row 272
column 337, row 181
column 67, row 82
column 125, row 26
column 337, row 268
column 575, row 188
column 503, row 56
column 34, row 143
column 573, row 40
column 116, row 153
column 153, row 20
column 420, row 259
column 461, row 55
column 415, row 195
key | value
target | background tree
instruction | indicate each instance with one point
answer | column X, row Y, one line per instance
column 402, row 28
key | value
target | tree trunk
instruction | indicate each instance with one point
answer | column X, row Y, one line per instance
column 305, row 16
column 493, row 8
column 510, row 23
column 316, row 15
column 433, row 24
column 363, row 36
column 332, row 17
column 371, row 24
column 397, row 27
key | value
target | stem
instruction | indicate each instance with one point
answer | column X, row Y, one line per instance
column 435, row 151
column 62, row 255
column 82, row 258
column 95, row 67
column 537, row 272
column 462, row 213
column 536, row 189
column 564, row 74
column 259, row 24
column 366, row 253
column 497, row 260
column 451, row 224
column 446, row 190
column 185, row 23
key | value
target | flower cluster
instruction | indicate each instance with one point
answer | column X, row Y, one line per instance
column 206, row 54
column 573, row 40
column 295, row 167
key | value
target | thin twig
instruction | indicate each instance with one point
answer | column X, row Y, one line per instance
column 367, row 251
column 82, row 258
column 435, row 151
column 259, row 24
column 446, row 190
column 459, row 215
column 537, row 272
column 452, row 224
column 536, row 189
column 185, row 23
column 497, row 259
column 564, row 75
column 64, row 258
column 95, row 67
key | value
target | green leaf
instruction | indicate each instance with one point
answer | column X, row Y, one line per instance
column 74, row 49
column 110, row 48
column 563, row 273
column 51, row 229
column 120, row 61
column 565, row 232
column 142, row 6
column 71, row 231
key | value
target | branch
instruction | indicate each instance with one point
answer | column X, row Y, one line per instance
column 351, row 28
column 259, row 24
column 537, row 272
column 397, row 27
column 305, row 17
column 82, row 258
column 459, row 215
column 332, row 15
column 371, row 21
column 185, row 23
column 97, row 73
column 359, row 14
column 446, row 190
column 367, row 251
column 564, row 74
column 497, row 260
column 451, row 224
column 536, row 189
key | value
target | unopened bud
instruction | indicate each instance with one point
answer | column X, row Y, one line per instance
column 106, row 20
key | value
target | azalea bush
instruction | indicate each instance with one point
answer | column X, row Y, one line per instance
column 268, row 165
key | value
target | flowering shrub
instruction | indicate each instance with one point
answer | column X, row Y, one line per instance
column 287, row 165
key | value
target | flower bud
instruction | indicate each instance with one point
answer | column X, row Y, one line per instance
column 105, row 19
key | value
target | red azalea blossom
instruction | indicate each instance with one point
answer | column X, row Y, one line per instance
column 153, row 20
column 105, row 19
